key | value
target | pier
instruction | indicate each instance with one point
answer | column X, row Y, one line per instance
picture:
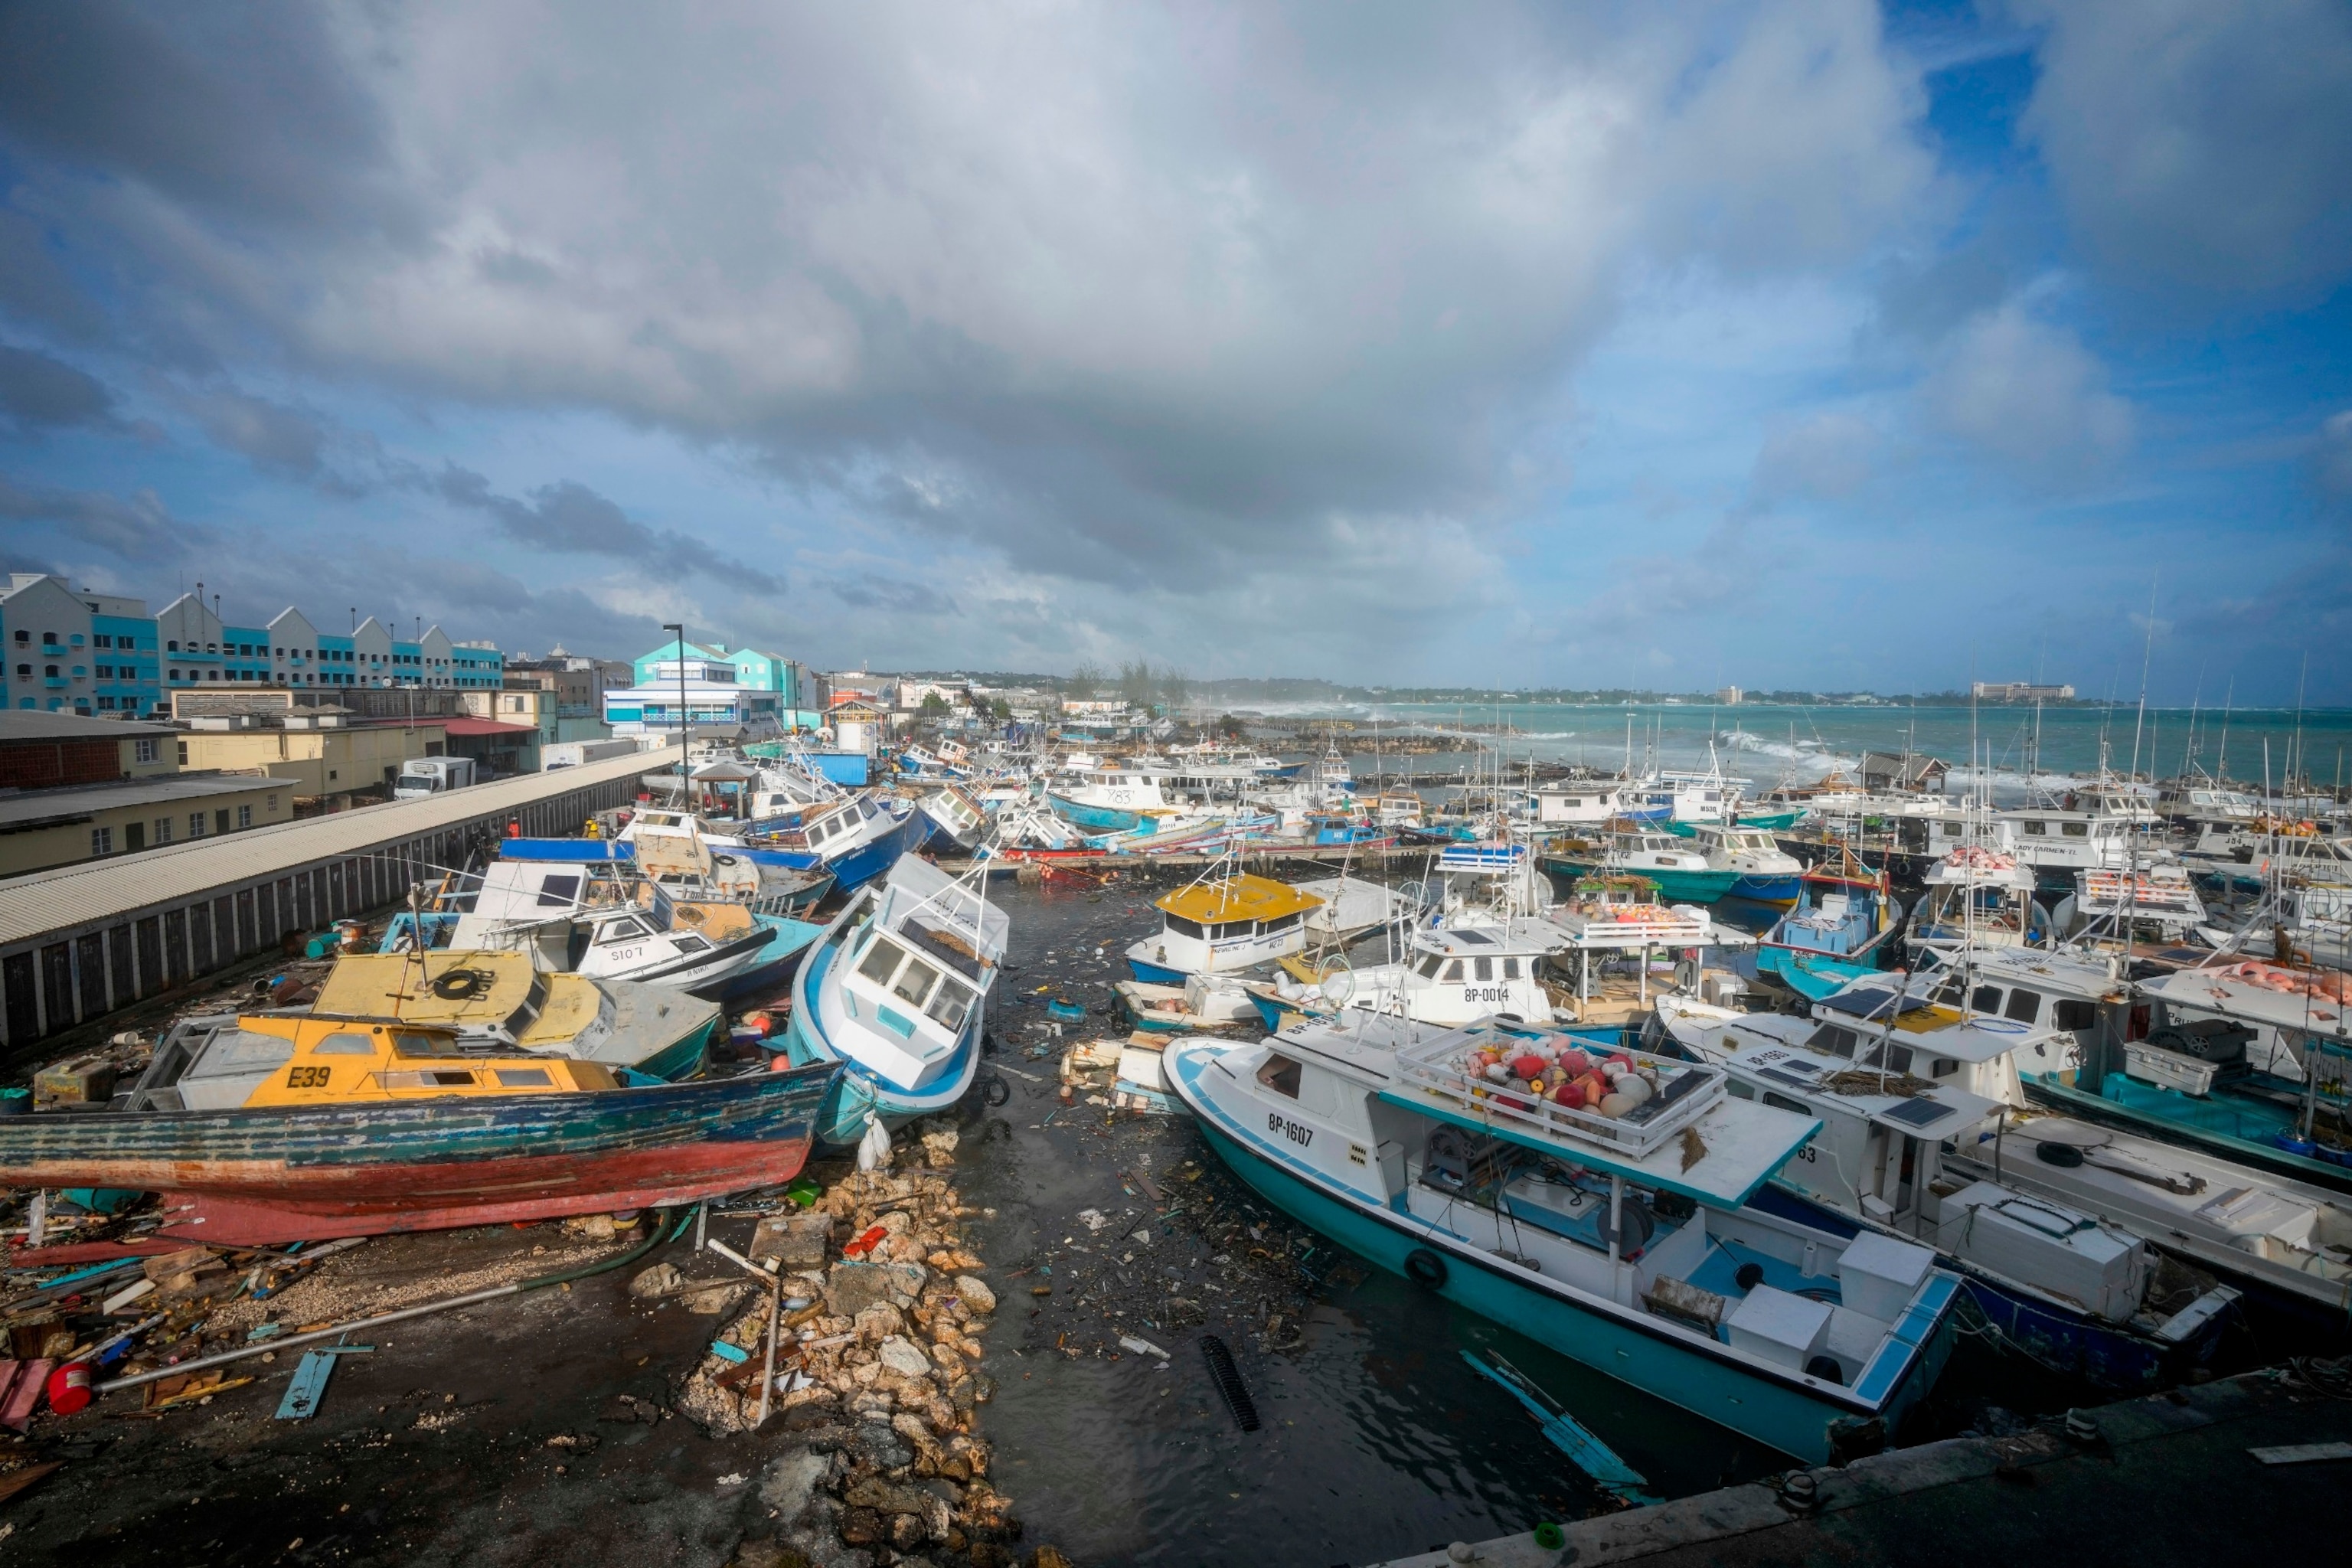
column 2244, row 1469
column 79, row 942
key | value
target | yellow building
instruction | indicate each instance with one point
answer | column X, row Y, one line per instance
column 44, row 827
column 323, row 755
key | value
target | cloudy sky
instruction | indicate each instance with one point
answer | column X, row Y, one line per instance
column 1816, row 344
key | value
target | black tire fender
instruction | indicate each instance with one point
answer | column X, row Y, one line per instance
column 1424, row 1266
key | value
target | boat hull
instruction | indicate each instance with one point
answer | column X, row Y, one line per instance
column 253, row 1178
column 1094, row 819
column 1675, row 887
column 1770, row 890
column 870, row 860
column 1809, row 975
column 2259, row 1135
column 1784, row 1416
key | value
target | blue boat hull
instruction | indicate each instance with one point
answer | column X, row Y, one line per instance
column 1784, row 1416
column 1811, row 975
column 871, row 859
column 1770, row 890
column 1094, row 819
column 788, row 940
column 1155, row 974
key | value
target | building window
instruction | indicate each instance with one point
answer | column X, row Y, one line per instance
column 173, row 644
column 162, row 830
column 272, row 803
column 184, row 752
column 175, row 674
column 142, row 750
column 245, row 815
column 49, row 669
column 195, row 824
column 99, row 639
column 101, row 841
column 25, row 671
column 24, row 637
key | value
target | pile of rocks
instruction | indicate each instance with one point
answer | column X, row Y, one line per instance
column 880, row 1368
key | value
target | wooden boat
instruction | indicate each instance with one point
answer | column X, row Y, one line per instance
column 273, row 1128
column 501, row 998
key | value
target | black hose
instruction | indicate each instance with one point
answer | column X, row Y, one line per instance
column 1228, row 1378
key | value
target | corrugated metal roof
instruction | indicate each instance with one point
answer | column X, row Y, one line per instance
column 16, row 724
column 98, row 890
column 72, row 800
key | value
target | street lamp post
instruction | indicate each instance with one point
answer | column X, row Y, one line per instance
column 685, row 720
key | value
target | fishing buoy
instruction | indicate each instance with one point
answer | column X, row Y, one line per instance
column 1529, row 1066
column 69, row 1388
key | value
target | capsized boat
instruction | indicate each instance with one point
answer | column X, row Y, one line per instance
column 1619, row 1233
column 1225, row 920
column 856, row 838
column 504, row 998
column 896, row 993
column 2077, row 1295
column 610, row 926
column 288, row 1127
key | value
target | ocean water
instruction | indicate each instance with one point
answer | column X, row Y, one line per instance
column 1769, row 744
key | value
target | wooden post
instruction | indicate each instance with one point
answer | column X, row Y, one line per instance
column 768, row 1375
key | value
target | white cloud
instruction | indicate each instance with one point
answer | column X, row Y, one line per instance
column 1825, row 457
column 2026, row 392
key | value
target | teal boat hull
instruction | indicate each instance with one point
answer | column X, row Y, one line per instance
column 1811, row 975
column 1673, row 887
column 2259, row 1134
column 1782, row 1415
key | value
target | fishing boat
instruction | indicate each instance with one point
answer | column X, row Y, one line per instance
column 503, row 998
column 1620, row 1235
column 956, row 823
column 2156, row 904
column 1976, row 897
column 1593, row 802
column 674, row 849
column 2081, row 1296
column 1767, row 875
column 1450, row 976
column 1225, row 920
column 593, row 920
column 2287, row 1242
column 856, row 838
column 1109, row 800
column 1684, row 875
column 1842, row 926
column 896, row 993
column 1202, row 1002
column 275, row 1128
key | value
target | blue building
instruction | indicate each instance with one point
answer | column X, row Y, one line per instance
column 81, row 652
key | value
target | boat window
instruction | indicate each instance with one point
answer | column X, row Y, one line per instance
column 524, row 1078
column 2075, row 829
column 344, row 1045
column 880, row 962
column 1454, row 970
column 1510, row 969
column 2037, row 830
column 1281, row 922
column 556, row 891
column 950, row 1006
column 689, row 942
column 1831, row 1041
column 1739, row 1090
column 2071, row 1014
column 624, row 930
column 1782, row 1102
column 1484, row 967
column 2023, row 1005
column 1942, row 1067
column 408, row 1044
column 1985, row 1000
column 915, row 982
column 1184, row 927
column 1867, row 1055
column 1899, row 1058
column 1279, row 1074
column 1432, row 964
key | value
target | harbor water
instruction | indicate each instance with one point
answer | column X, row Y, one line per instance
column 1376, row 1436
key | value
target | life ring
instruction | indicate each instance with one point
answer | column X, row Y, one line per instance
column 726, row 860
column 461, row 985
column 1424, row 1266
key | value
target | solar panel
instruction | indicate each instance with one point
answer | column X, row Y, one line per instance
column 1477, row 937
column 1779, row 1077
column 1918, row 1112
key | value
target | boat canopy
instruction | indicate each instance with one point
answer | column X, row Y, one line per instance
column 2308, row 1003
column 1909, row 1105
column 1241, row 896
column 1689, row 1137
column 1931, row 1027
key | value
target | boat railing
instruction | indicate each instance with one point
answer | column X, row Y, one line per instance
column 1686, row 1092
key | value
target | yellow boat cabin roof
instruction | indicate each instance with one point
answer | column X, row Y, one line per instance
column 1239, row 897
column 456, row 989
column 340, row 1061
